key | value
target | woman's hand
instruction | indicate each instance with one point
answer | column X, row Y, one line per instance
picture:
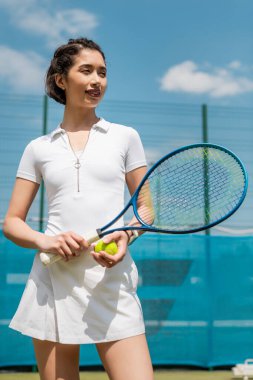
column 106, row 260
column 66, row 244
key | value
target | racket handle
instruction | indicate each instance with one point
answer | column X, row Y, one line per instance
column 51, row 258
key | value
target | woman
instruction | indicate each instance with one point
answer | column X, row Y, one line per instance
column 87, row 297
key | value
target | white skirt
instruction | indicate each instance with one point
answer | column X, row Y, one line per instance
column 80, row 302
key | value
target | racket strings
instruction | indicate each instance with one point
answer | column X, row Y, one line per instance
column 191, row 189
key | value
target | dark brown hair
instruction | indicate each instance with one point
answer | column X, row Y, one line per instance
column 63, row 60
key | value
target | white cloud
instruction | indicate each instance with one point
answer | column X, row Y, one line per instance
column 59, row 27
column 235, row 65
column 22, row 71
column 188, row 77
column 31, row 16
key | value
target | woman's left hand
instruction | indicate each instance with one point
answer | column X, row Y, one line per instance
column 106, row 260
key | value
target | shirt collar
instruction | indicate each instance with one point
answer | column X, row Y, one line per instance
column 102, row 124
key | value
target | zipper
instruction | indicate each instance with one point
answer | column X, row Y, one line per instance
column 77, row 164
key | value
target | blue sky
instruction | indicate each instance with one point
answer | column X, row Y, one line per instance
column 183, row 51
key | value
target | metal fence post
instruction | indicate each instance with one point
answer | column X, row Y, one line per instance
column 208, row 249
column 205, row 135
column 204, row 124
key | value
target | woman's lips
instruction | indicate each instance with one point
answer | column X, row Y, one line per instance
column 93, row 93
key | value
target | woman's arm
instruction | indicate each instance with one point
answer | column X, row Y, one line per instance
column 133, row 178
column 16, row 229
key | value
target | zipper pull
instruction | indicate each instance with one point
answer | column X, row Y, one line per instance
column 77, row 163
column 77, row 166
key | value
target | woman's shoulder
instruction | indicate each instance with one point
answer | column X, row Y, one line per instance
column 122, row 129
column 44, row 139
column 39, row 141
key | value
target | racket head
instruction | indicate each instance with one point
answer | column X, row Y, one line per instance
column 191, row 189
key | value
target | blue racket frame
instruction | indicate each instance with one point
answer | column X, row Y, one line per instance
column 133, row 201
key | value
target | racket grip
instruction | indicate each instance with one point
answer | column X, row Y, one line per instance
column 50, row 258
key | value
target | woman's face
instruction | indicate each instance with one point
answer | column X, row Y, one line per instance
column 86, row 80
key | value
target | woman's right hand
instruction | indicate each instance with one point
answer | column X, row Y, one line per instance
column 66, row 244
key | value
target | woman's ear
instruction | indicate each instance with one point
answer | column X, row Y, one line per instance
column 60, row 82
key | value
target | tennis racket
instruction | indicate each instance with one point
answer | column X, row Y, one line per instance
column 188, row 190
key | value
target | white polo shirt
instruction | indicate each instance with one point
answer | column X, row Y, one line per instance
column 80, row 301
column 111, row 151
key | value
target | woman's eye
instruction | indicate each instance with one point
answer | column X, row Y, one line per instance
column 86, row 71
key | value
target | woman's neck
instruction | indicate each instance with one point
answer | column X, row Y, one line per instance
column 77, row 120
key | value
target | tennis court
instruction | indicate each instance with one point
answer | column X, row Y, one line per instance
column 196, row 290
column 180, row 73
column 159, row 375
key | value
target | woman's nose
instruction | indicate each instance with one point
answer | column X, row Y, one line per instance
column 95, row 77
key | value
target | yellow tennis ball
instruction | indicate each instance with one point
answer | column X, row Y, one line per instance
column 100, row 246
column 110, row 248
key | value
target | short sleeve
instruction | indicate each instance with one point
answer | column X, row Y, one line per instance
column 135, row 156
column 28, row 167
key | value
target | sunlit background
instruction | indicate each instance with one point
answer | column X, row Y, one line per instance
column 174, row 67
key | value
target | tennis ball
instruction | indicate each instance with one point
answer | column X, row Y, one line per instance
column 100, row 246
column 110, row 248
